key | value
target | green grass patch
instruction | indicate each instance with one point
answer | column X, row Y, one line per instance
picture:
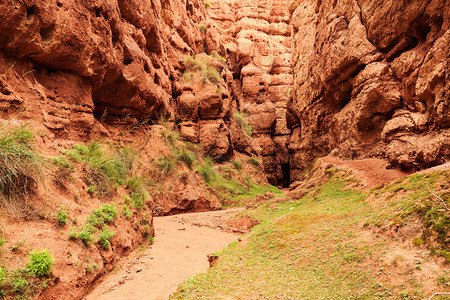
column 106, row 168
column 416, row 199
column 308, row 249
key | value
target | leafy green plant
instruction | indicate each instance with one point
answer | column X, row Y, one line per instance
column 202, row 28
column 105, row 236
column 40, row 262
column 20, row 166
column 62, row 214
column 126, row 211
column 85, row 235
column 105, row 214
column 241, row 121
column 237, row 165
column 19, row 284
column 2, row 242
column 207, row 4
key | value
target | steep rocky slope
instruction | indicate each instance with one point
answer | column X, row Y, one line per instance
column 371, row 79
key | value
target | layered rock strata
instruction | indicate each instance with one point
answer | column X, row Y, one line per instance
column 256, row 38
column 371, row 79
column 117, row 60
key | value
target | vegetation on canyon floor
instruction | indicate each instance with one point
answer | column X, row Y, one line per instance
column 338, row 242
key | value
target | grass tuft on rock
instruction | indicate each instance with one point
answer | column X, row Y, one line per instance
column 20, row 166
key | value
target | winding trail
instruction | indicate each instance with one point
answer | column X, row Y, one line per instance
column 180, row 249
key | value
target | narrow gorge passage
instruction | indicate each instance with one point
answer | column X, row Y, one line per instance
column 180, row 249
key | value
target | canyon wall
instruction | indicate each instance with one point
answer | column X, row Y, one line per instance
column 256, row 38
column 72, row 60
column 371, row 78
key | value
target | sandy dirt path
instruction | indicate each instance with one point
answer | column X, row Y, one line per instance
column 180, row 249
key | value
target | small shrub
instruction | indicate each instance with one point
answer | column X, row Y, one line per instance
column 193, row 64
column 2, row 242
column 105, row 214
column 73, row 233
column 237, row 165
column 418, row 241
column 202, row 28
column 241, row 121
column 207, row 4
column 187, row 157
column 126, row 211
column 91, row 190
column 105, row 237
column 253, row 161
column 85, row 235
column 170, row 136
column 63, row 214
column 40, row 262
column 19, row 284
column 187, row 77
column 138, row 200
column 136, row 186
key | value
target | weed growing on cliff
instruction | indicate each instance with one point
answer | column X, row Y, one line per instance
column 166, row 166
column 105, row 236
column 241, row 121
column 202, row 28
column 63, row 171
column 188, row 157
column 210, row 75
column 20, row 166
column 40, row 262
column 198, row 69
column 253, row 161
column 106, row 169
column 105, row 214
column 126, row 211
column 237, row 165
column 136, row 187
column 85, row 234
column 218, row 57
column 62, row 215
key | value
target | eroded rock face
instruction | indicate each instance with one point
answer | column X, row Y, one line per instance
column 114, row 59
column 370, row 79
column 256, row 38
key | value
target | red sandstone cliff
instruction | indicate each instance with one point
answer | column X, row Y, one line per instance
column 371, row 79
